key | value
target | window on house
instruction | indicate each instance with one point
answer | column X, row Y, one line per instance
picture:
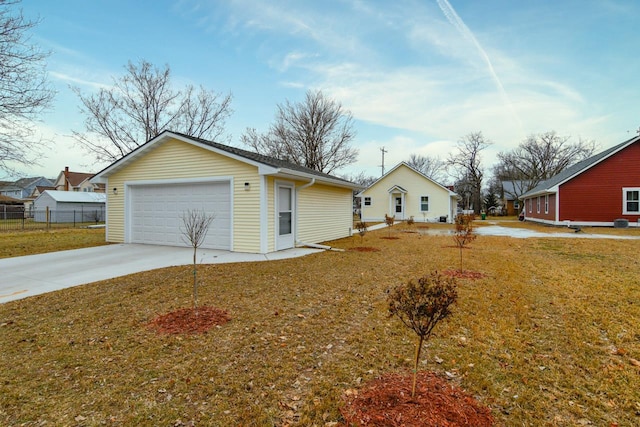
column 538, row 204
column 546, row 203
column 367, row 201
column 424, row 203
column 516, row 204
column 530, row 205
column 631, row 200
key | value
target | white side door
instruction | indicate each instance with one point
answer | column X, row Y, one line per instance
column 285, row 215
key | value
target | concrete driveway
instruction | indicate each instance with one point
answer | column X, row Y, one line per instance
column 25, row 276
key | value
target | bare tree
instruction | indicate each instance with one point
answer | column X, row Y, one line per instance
column 360, row 178
column 538, row 158
column 24, row 91
column 315, row 133
column 468, row 163
column 196, row 226
column 433, row 167
column 140, row 105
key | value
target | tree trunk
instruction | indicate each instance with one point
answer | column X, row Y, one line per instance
column 195, row 283
column 415, row 366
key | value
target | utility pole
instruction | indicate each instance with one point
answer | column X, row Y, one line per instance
column 383, row 151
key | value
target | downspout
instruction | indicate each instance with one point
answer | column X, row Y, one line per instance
column 302, row 187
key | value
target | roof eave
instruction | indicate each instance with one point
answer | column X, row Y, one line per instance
column 293, row 174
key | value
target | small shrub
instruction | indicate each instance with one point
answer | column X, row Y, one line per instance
column 362, row 229
column 463, row 233
column 420, row 305
column 389, row 220
column 410, row 221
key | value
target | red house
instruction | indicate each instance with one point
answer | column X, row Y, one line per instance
column 594, row 192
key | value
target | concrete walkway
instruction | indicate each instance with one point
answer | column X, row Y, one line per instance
column 25, row 276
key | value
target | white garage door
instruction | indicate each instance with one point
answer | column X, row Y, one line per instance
column 157, row 210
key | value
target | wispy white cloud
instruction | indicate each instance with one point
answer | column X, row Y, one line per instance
column 423, row 72
column 67, row 78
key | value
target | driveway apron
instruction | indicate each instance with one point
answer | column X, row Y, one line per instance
column 25, row 276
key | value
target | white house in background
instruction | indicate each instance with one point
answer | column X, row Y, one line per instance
column 69, row 206
column 404, row 192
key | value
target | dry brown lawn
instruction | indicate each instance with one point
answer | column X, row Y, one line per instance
column 19, row 243
column 548, row 337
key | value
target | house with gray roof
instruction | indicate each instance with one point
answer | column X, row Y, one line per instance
column 594, row 192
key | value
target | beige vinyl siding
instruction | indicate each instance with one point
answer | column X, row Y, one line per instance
column 324, row 213
column 271, row 215
column 174, row 160
column 416, row 186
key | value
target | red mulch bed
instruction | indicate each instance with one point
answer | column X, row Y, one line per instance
column 189, row 320
column 464, row 274
column 364, row 249
column 386, row 401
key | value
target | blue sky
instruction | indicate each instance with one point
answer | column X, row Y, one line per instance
column 416, row 75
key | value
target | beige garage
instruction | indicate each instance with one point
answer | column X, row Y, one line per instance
column 261, row 204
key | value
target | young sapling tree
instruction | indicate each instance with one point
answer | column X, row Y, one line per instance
column 463, row 233
column 389, row 220
column 420, row 305
column 196, row 226
column 362, row 229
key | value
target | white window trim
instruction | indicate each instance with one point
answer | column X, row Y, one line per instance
column 538, row 204
column 624, row 200
column 546, row 203
column 530, row 205
column 428, row 203
column 516, row 204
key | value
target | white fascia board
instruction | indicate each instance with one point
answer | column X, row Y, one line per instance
column 293, row 174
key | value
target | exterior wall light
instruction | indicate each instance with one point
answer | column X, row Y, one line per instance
column 115, row 190
column 247, row 186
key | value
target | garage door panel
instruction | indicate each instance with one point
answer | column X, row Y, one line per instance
column 157, row 210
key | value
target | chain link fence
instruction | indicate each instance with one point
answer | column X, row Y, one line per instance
column 14, row 218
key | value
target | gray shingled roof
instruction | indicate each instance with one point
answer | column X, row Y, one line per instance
column 267, row 160
column 578, row 168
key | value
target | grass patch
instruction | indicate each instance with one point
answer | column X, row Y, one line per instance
column 541, row 339
column 20, row 243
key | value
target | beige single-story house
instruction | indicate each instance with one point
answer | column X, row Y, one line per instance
column 404, row 192
column 260, row 204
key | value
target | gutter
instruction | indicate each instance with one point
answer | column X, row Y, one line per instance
column 317, row 246
column 307, row 185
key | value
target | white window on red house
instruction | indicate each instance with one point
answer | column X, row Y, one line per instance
column 631, row 200
column 546, row 203
column 538, row 204
column 530, row 205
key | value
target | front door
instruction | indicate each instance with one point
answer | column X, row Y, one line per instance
column 285, row 216
column 399, row 208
